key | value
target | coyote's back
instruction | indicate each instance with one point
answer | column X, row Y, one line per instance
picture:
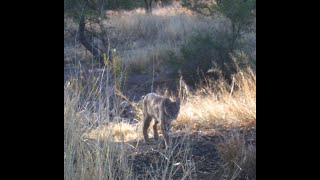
column 160, row 109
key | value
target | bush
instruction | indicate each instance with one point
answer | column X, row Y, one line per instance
column 220, row 49
column 239, row 12
column 198, row 55
column 124, row 4
column 202, row 52
column 239, row 157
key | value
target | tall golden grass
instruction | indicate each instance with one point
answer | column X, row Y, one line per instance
column 145, row 38
column 238, row 155
column 220, row 104
column 103, row 152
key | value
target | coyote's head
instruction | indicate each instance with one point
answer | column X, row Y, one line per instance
column 172, row 108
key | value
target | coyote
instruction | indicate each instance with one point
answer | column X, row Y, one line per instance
column 160, row 109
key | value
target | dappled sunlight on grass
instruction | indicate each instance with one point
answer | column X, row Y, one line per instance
column 119, row 132
column 225, row 108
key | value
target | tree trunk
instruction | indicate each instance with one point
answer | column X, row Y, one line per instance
column 101, row 7
column 84, row 41
column 148, row 7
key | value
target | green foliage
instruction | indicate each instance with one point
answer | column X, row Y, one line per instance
column 70, row 5
column 221, row 48
column 238, row 11
column 204, row 52
column 173, row 60
column 202, row 7
column 119, row 73
column 165, row 2
column 240, row 14
column 76, row 9
column 199, row 54
column 116, row 66
column 124, row 4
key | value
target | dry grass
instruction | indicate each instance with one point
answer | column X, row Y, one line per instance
column 223, row 105
column 102, row 153
column 84, row 158
column 238, row 156
column 173, row 163
column 217, row 104
column 120, row 132
column 141, row 39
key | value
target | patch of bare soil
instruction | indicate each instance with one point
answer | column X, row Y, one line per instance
column 199, row 149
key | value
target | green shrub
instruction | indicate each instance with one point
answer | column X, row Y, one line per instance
column 221, row 49
column 202, row 52
column 198, row 53
column 205, row 52
column 124, row 4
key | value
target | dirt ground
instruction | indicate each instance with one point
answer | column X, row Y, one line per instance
column 199, row 148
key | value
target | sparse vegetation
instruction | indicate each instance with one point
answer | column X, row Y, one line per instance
column 213, row 136
column 218, row 103
column 238, row 155
column 204, row 110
